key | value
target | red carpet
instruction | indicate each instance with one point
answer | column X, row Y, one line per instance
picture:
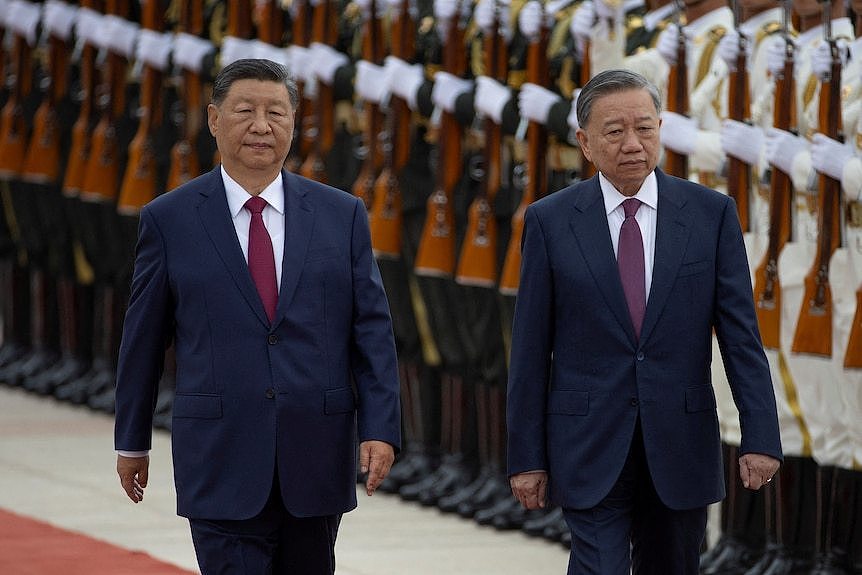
column 29, row 547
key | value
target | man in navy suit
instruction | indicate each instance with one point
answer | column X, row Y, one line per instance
column 283, row 339
column 611, row 409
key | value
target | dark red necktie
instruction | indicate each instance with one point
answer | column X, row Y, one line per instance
column 261, row 262
column 630, row 259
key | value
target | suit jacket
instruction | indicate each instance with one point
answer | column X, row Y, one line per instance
column 250, row 395
column 579, row 379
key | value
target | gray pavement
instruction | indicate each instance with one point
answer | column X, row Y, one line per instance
column 57, row 465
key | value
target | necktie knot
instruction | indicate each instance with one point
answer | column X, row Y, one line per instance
column 255, row 204
column 631, row 206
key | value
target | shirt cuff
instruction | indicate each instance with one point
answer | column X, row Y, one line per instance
column 133, row 453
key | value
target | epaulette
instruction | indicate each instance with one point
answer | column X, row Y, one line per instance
column 712, row 39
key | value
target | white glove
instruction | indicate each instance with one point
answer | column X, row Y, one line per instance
column 444, row 10
column 668, row 43
column 370, row 83
column 534, row 102
column 446, row 90
column 326, row 60
column 728, row 48
column 154, row 49
column 581, row 24
column 88, row 25
column 782, row 147
column 59, row 18
column 821, row 57
column 405, row 82
column 530, row 19
column 776, row 50
column 483, row 14
column 612, row 10
column 829, row 156
column 23, row 18
column 491, row 98
column 234, row 48
column 572, row 118
column 122, row 36
column 678, row 132
column 297, row 59
column 742, row 141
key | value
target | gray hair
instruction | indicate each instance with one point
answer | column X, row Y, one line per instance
column 254, row 69
column 610, row 82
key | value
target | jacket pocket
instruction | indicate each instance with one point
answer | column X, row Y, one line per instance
column 693, row 268
column 339, row 400
column 700, row 398
column 569, row 402
column 197, row 406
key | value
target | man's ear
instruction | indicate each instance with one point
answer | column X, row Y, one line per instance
column 584, row 143
column 212, row 118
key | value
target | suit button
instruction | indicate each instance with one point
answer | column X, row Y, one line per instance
column 640, row 356
column 272, row 339
column 634, row 402
column 270, row 393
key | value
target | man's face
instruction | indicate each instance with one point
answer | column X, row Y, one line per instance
column 253, row 126
column 622, row 138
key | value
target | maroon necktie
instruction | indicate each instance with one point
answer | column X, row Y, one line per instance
column 630, row 259
column 261, row 262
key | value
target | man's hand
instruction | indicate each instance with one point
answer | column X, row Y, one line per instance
column 756, row 470
column 133, row 475
column 530, row 488
column 375, row 459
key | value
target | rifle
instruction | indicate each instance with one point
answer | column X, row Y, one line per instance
column 323, row 31
column 42, row 163
column 537, row 73
column 300, row 36
column 477, row 265
column 436, row 253
column 675, row 163
column 79, row 151
column 588, row 169
column 185, row 163
column 739, row 104
column 372, row 51
column 13, row 124
column 141, row 177
column 386, row 218
column 767, row 288
column 814, row 327
column 102, row 173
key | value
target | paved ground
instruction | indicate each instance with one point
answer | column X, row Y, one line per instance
column 57, row 465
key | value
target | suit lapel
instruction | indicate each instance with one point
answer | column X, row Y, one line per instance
column 215, row 216
column 671, row 237
column 298, row 225
column 589, row 224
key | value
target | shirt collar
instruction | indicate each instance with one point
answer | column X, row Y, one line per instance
column 647, row 194
column 237, row 196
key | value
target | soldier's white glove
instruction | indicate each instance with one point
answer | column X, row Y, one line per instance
column 154, row 49
column 483, row 14
column 572, row 118
column 829, row 156
column 234, row 48
column 782, row 147
column 297, row 58
column 23, row 18
column 370, row 83
column 742, row 141
column 678, row 132
column 609, row 10
column 405, row 80
column 728, row 48
column 667, row 44
column 444, row 11
column 59, row 18
column 491, row 97
column 534, row 102
column 530, row 19
column 446, row 90
column 821, row 57
column 326, row 60
column 581, row 24
column 776, row 50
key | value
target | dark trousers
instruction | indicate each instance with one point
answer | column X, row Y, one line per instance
column 631, row 529
column 273, row 542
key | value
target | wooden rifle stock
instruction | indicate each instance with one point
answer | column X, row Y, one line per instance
column 303, row 140
column 853, row 353
column 102, row 173
column 323, row 133
column 814, row 327
column 588, row 169
column 436, row 253
column 42, row 163
column 767, row 287
column 676, row 164
column 372, row 163
column 13, row 125
column 477, row 264
column 537, row 73
column 185, row 163
column 79, row 152
column 141, row 178
column 739, row 172
column 386, row 217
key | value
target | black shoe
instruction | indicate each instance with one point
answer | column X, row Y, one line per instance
column 494, row 489
column 67, row 369
column 103, row 401
column 765, row 560
column 536, row 527
column 516, row 517
column 450, row 503
column 455, row 476
column 735, row 559
column 410, row 468
column 557, row 530
column 505, row 506
column 566, row 538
